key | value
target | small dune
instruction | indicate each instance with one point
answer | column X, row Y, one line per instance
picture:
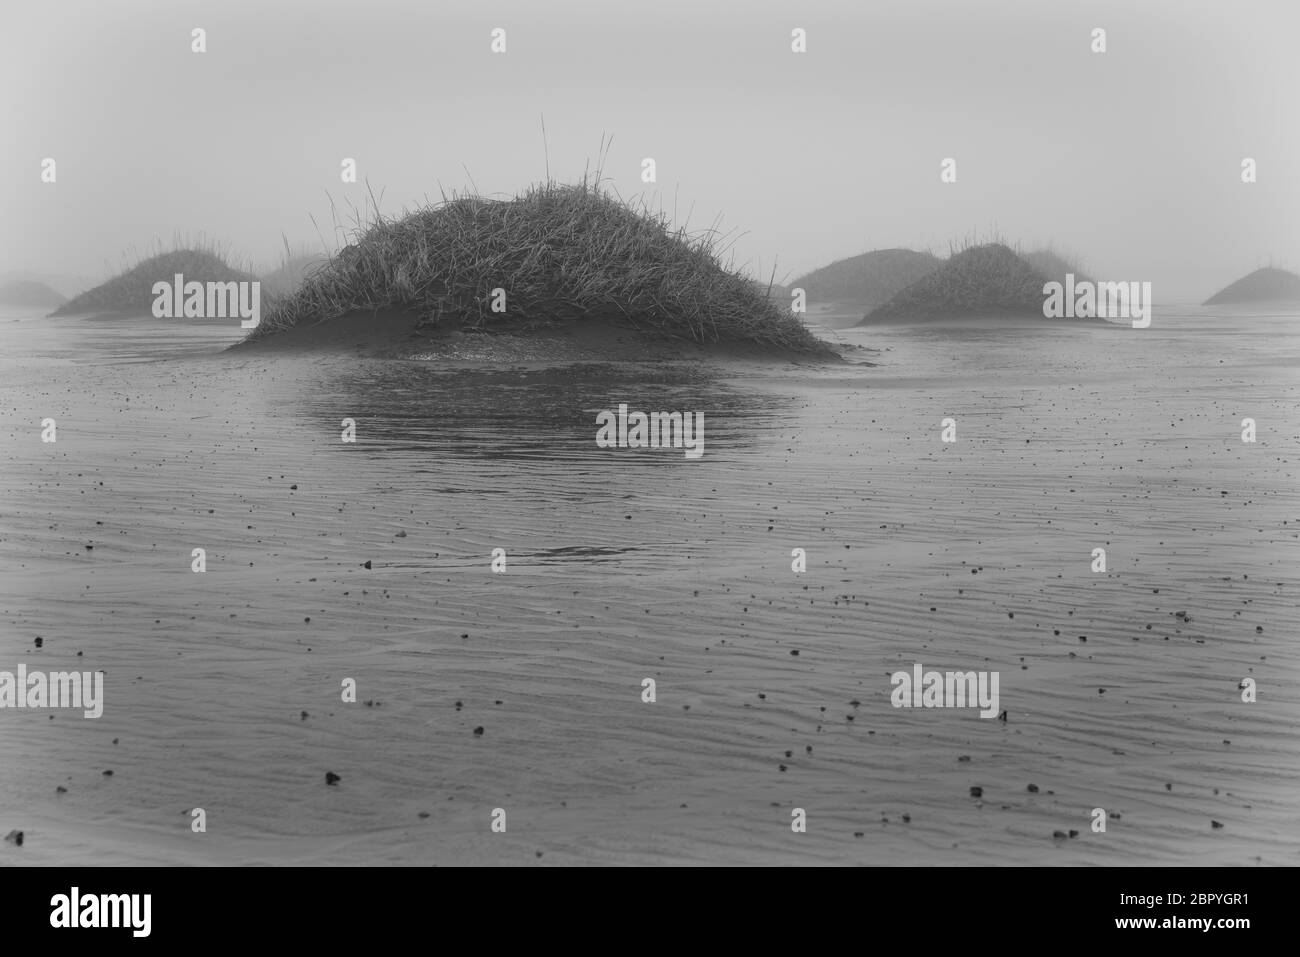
column 1263, row 285
column 557, row 256
column 132, row 290
column 29, row 293
column 867, row 280
column 988, row 280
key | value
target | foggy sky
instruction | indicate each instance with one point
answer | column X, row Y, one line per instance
column 1129, row 159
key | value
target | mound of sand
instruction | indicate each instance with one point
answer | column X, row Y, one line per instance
column 867, row 280
column 132, row 291
column 29, row 293
column 1263, row 285
column 983, row 281
column 555, row 255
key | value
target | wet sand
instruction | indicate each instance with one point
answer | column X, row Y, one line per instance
column 627, row 564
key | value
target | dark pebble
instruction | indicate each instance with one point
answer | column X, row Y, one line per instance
column 478, row 732
column 976, row 792
column 332, row 778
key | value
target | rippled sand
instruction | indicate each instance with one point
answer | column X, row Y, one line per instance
column 626, row 564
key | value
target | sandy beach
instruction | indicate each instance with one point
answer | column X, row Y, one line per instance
column 222, row 689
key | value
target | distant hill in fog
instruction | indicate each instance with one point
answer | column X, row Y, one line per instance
column 132, row 290
column 1263, row 285
column 291, row 274
column 867, row 280
column 28, row 292
column 985, row 280
column 65, row 284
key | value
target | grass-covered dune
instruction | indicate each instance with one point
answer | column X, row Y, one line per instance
column 985, row 280
column 1263, row 285
column 132, row 289
column 866, row 280
column 29, row 293
column 556, row 253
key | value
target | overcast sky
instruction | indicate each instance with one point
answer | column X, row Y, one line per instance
column 1130, row 158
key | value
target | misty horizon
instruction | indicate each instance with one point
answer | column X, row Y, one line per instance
column 810, row 159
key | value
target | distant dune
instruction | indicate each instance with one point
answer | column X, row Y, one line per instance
column 1263, row 285
column 288, row 277
column 866, row 280
column 133, row 290
column 557, row 256
column 988, row 280
column 773, row 290
column 28, row 292
column 66, row 285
